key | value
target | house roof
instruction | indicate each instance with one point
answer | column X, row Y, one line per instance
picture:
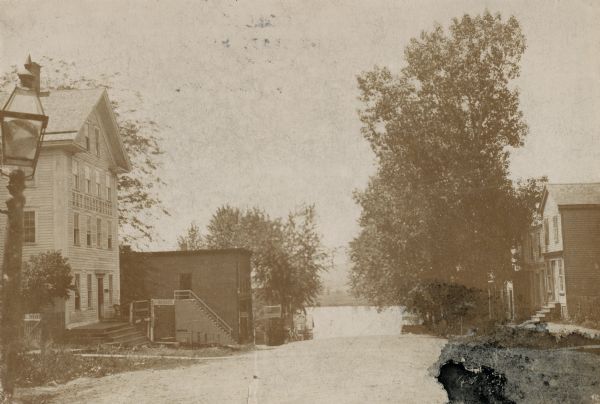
column 68, row 110
column 572, row 194
column 195, row 252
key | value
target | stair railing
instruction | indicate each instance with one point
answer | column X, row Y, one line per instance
column 189, row 294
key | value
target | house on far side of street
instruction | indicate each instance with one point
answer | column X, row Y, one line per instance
column 209, row 292
column 71, row 203
column 565, row 278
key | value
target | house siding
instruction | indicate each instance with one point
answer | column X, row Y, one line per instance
column 39, row 195
column 99, row 261
column 50, row 196
column 581, row 229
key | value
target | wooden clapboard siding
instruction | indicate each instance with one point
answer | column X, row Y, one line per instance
column 39, row 198
column 581, row 230
column 50, row 195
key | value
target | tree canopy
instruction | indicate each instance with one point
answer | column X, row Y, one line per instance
column 287, row 255
column 441, row 207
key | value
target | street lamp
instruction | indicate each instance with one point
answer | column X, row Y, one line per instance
column 22, row 123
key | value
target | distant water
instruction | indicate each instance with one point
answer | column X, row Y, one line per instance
column 353, row 321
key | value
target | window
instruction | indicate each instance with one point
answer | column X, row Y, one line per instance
column 561, row 276
column 539, row 240
column 546, row 232
column 531, row 244
column 86, row 130
column 75, row 167
column 555, row 227
column 88, row 181
column 185, row 281
column 76, row 239
column 89, row 291
column 98, row 185
column 109, row 232
column 110, row 289
column 108, row 188
column 97, row 139
column 77, row 292
column 29, row 227
column 98, row 232
column 88, row 231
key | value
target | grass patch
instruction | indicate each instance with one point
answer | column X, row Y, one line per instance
column 59, row 366
column 510, row 337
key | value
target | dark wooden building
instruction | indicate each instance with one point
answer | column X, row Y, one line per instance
column 210, row 290
column 562, row 256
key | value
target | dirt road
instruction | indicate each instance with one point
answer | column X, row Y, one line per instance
column 391, row 369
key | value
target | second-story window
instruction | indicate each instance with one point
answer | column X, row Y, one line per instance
column 75, row 167
column 546, row 232
column 97, row 141
column 108, row 188
column 98, row 185
column 109, row 233
column 88, row 181
column 29, row 227
column 88, row 231
column 555, row 228
column 98, row 232
column 76, row 229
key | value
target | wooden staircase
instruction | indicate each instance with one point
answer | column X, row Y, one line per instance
column 107, row 333
column 225, row 330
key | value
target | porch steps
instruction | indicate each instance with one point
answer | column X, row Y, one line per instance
column 107, row 334
column 547, row 312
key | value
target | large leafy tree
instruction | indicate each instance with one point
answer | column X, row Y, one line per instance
column 138, row 190
column 441, row 208
column 287, row 255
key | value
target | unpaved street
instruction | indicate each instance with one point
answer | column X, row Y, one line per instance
column 390, row 369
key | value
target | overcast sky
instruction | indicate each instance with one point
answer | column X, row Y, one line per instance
column 257, row 100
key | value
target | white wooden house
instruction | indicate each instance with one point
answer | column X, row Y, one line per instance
column 72, row 201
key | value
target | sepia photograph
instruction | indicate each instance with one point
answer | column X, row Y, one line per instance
column 267, row 201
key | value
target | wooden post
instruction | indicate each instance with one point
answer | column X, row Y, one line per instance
column 12, row 313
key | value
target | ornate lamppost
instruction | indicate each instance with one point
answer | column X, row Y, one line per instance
column 23, row 124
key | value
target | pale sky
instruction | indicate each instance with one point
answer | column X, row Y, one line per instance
column 257, row 100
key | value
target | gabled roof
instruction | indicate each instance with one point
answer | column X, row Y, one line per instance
column 572, row 194
column 68, row 110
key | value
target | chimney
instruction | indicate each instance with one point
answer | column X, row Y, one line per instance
column 30, row 77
